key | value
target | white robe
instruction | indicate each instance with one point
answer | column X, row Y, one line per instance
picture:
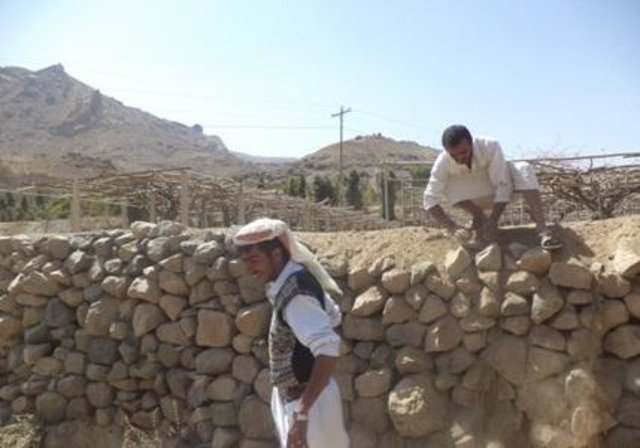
column 490, row 179
column 313, row 326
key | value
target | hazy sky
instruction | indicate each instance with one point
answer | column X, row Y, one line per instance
column 559, row 76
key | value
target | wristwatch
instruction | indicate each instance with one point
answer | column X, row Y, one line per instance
column 300, row 416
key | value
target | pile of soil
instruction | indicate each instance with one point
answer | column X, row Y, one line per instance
column 589, row 241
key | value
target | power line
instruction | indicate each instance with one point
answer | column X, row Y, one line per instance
column 250, row 126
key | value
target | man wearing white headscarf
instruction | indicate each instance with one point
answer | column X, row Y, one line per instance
column 303, row 346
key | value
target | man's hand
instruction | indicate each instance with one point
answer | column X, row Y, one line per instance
column 297, row 437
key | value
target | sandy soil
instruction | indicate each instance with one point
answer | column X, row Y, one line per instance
column 589, row 241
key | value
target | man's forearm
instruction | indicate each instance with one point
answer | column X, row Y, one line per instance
column 441, row 217
column 323, row 367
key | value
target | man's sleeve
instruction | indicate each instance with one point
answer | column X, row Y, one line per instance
column 499, row 173
column 312, row 326
column 437, row 185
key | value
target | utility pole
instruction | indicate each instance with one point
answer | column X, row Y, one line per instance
column 341, row 114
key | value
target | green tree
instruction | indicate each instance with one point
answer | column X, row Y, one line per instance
column 302, row 186
column 323, row 188
column 353, row 194
column 262, row 181
column 391, row 194
column 11, row 201
column 23, row 212
column 420, row 174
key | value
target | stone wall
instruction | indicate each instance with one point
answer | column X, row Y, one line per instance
column 508, row 347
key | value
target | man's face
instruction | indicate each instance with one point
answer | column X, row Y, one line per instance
column 462, row 152
column 259, row 264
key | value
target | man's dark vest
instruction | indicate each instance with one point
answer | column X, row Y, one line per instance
column 291, row 362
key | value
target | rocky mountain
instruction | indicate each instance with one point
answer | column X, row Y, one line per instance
column 47, row 116
column 53, row 126
column 364, row 153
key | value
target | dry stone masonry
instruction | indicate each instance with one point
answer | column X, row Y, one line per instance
column 508, row 347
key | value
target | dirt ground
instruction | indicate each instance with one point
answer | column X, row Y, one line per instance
column 589, row 241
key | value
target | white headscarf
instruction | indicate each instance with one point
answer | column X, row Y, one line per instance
column 264, row 229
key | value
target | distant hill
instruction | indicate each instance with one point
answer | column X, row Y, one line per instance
column 364, row 153
column 47, row 115
column 53, row 126
column 265, row 159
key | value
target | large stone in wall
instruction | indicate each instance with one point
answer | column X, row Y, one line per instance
column 490, row 258
column 206, row 253
column 115, row 286
column 614, row 286
column 371, row 413
column 100, row 395
column 77, row 262
column 624, row 341
column 420, row 270
column 416, row 295
column 51, row 407
column 632, row 301
column 543, row 363
column 145, row 289
column 173, row 283
column 412, row 360
column 172, row 305
column 396, row 281
column 570, row 274
column 522, row 282
column 140, row 229
column 10, row 327
column 515, row 305
column 255, row 418
column 57, row 314
column 416, row 408
column 101, row 315
column 397, row 311
column 251, row 289
column 215, row 329
column 441, row 287
column 535, row 260
column 489, row 303
column 359, row 279
column 406, row 334
column 369, row 302
column 363, row 329
column 432, row 310
column 612, row 313
column 547, row 301
column 443, row 335
column 373, row 383
column 194, row 272
column 456, row 262
column 508, row 356
column 58, row 246
column 172, row 333
column 254, row 320
column 626, row 260
column 545, row 337
column 38, row 283
column 146, row 318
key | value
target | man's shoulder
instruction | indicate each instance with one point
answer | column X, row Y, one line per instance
column 301, row 282
column 485, row 141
